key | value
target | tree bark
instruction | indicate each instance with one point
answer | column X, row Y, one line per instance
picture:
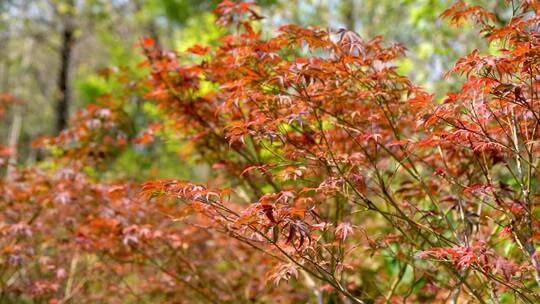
column 13, row 141
column 64, row 90
column 349, row 15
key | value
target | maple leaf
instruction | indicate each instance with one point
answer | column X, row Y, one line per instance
column 343, row 230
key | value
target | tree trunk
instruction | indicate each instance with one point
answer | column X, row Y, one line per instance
column 13, row 141
column 64, row 90
column 349, row 15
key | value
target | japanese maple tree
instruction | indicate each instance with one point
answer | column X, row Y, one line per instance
column 334, row 179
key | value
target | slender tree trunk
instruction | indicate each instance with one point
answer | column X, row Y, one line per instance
column 349, row 15
column 14, row 134
column 151, row 26
column 64, row 90
column 16, row 123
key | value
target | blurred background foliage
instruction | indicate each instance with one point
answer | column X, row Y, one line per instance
column 87, row 41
